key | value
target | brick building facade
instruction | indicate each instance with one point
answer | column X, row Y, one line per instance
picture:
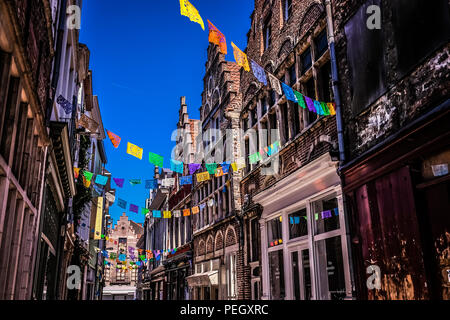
column 293, row 206
column 394, row 83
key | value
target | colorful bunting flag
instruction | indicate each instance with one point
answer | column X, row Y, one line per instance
column 225, row 167
column 202, row 206
column 204, row 176
column 176, row 213
column 185, row 180
column 151, row 184
column 156, row 159
column 238, row 165
column 86, row 182
column 88, row 123
column 115, row 139
column 275, row 84
column 259, row 72
column 240, row 57
column 211, row 202
column 122, row 203
column 134, row 182
column 310, row 104
column 134, row 208
column 76, row 172
column 217, row 37
column 318, row 107
column 195, row 210
column 332, row 107
column 254, row 158
column 193, row 167
column 167, row 215
column 211, row 167
column 156, row 214
column 145, row 211
column 169, row 182
column 326, row 112
column 288, row 92
column 101, row 180
column 186, row 212
column 300, row 100
column 188, row 10
column 176, row 166
column 88, row 175
column 66, row 105
column 219, row 172
column 119, row 182
column 135, row 150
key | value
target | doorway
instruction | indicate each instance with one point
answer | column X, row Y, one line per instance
column 301, row 285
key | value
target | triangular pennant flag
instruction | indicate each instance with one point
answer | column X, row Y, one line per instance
column 188, row 10
column 217, row 37
column 115, row 139
column 275, row 84
column 240, row 57
column 135, row 150
column 288, row 92
column 119, row 182
column 259, row 72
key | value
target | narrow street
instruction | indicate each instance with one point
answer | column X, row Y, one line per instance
column 239, row 150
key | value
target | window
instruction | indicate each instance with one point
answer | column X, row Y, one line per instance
column 306, row 60
column 253, row 116
column 287, row 9
column 267, row 34
column 254, row 240
column 272, row 97
column 231, row 276
column 310, row 92
column 296, row 117
column 298, row 226
column 284, row 111
column 325, row 87
column 321, row 43
column 325, row 215
column 331, row 277
column 245, row 124
column 263, row 106
column 276, row 269
column 292, row 75
column 274, row 229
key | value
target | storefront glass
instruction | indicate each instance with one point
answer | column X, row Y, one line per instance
column 276, row 269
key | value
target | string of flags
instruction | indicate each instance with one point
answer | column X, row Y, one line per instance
column 217, row 37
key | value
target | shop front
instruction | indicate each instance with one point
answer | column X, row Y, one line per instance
column 204, row 283
column 158, row 284
column 177, row 270
column 304, row 250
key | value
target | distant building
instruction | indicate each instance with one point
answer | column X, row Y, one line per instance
column 121, row 277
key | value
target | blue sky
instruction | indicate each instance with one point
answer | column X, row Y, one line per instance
column 144, row 57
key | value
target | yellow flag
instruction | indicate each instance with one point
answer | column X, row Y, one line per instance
column 188, row 10
column 135, row 150
column 240, row 57
column 167, row 214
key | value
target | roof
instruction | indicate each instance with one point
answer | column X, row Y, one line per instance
column 137, row 228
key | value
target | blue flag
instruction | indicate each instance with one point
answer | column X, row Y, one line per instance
column 176, row 166
column 259, row 73
column 185, row 180
column 122, row 203
column 288, row 92
column 101, row 180
column 156, row 214
column 226, row 167
column 151, row 184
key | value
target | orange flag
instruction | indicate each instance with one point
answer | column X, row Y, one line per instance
column 76, row 172
column 115, row 139
column 240, row 57
column 217, row 37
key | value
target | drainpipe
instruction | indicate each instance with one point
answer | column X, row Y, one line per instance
column 57, row 65
column 339, row 125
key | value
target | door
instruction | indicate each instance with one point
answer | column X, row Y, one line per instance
column 301, row 287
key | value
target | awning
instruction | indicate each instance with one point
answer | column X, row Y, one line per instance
column 204, row 279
